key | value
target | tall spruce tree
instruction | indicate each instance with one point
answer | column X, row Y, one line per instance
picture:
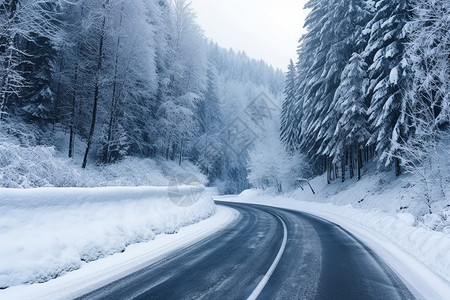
column 334, row 33
column 385, row 53
column 352, row 131
column 289, row 118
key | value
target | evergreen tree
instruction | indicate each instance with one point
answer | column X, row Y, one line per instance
column 352, row 131
column 289, row 118
column 334, row 33
column 385, row 53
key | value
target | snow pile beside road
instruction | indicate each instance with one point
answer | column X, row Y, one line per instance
column 46, row 232
column 430, row 248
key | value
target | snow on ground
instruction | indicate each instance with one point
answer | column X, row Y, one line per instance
column 41, row 166
column 420, row 256
column 103, row 271
column 47, row 232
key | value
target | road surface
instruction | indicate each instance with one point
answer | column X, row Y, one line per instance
column 268, row 253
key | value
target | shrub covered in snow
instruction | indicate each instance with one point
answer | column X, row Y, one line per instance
column 41, row 166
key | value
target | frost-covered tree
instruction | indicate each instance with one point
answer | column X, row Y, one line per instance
column 186, row 82
column 388, row 78
column 428, row 54
column 205, row 149
column 132, row 80
column 271, row 165
column 425, row 153
column 289, row 117
column 333, row 33
column 268, row 161
column 101, row 14
column 352, row 131
column 25, row 24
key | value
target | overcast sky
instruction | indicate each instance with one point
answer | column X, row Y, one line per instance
column 264, row 29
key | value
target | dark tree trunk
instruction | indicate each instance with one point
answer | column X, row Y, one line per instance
column 398, row 168
column 329, row 170
column 359, row 163
column 350, row 163
column 114, row 98
column 181, row 153
column 97, row 87
column 74, row 103
column 343, row 168
column 58, row 94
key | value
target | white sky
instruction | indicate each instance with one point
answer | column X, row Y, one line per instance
column 264, row 29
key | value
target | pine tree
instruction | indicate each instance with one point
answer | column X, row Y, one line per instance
column 334, row 33
column 289, row 118
column 388, row 79
column 352, row 131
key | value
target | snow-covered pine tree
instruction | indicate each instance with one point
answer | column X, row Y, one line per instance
column 289, row 117
column 385, row 53
column 352, row 131
column 38, row 97
column 334, row 28
column 206, row 148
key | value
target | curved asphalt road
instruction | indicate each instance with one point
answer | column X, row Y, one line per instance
column 305, row 256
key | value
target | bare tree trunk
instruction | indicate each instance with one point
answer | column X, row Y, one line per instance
column 58, row 94
column 168, row 150
column 398, row 168
column 74, row 98
column 97, row 87
column 4, row 86
column 329, row 171
column 343, row 168
column 359, row 162
column 172, row 154
column 74, row 102
column 114, row 100
column 350, row 163
column 181, row 153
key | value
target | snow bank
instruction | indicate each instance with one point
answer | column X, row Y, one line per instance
column 101, row 272
column 429, row 249
column 46, row 232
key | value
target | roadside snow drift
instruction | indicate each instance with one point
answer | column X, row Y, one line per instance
column 46, row 232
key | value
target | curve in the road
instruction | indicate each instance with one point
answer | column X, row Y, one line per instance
column 268, row 253
column 269, row 273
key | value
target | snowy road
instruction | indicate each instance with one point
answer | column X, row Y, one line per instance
column 268, row 253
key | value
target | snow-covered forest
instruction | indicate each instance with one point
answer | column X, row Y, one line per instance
column 105, row 80
column 111, row 86
column 121, row 123
column 372, row 84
